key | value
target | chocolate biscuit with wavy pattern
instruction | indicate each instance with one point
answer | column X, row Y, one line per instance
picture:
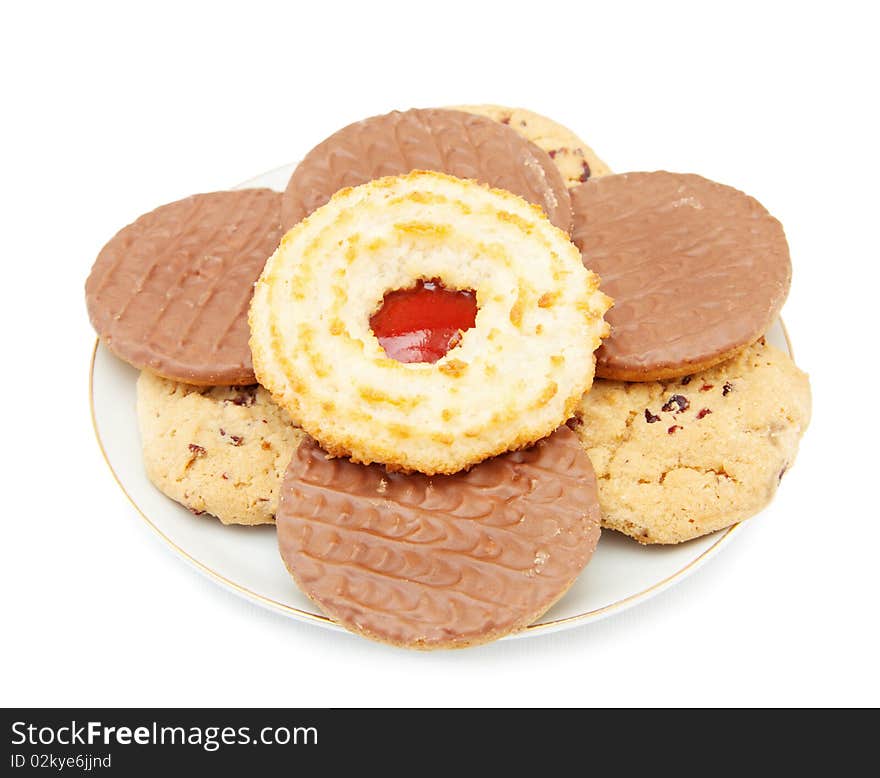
column 697, row 270
column 443, row 561
column 445, row 141
column 575, row 159
column 170, row 292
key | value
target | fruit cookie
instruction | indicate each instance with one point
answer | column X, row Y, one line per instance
column 679, row 459
column 170, row 292
column 697, row 270
column 219, row 450
column 508, row 381
column 460, row 144
column 442, row 562
column 575, row 159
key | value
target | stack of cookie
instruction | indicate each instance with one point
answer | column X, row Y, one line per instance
column 408, row 391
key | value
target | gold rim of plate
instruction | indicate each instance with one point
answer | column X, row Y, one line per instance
column 536, row 627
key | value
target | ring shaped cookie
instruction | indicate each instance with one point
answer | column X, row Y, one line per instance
column 511, row 380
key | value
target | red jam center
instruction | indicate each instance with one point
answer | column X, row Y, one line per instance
column 423, row 323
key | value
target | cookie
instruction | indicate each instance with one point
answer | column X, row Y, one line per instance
column 510, row 380
column 697, row 270
column 575, row 159
column 219, row 450
column 170, row 292
column 453, row 142
column 679, row 459
column 443, row 562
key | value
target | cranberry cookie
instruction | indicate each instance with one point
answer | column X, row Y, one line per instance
column 219, row 450
column 681, row 458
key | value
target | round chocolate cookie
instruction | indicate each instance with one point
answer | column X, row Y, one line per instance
column 697, row 270
column 575, row 159
column 454, row 142
column 442, row 562
column 170, row 292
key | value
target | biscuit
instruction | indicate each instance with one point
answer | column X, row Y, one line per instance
column 511, row 380
column 575, row 159
column 170, row 292
column 453, row 142
column 679, row 459
column 697, row 270
column 218, row 450
column 443, row 562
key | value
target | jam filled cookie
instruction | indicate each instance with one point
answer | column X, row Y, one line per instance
column 697, row 270
column 575, row 159
column 507, row 381
column 170, row 292
column 681, row 458
column 442, row 562
column 219, row 450
column 460, row 144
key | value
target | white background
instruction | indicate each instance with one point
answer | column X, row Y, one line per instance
column 111, row 110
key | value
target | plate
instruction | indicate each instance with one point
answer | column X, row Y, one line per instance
column 245, row 560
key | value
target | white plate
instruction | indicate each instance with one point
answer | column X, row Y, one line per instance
column 245, row 559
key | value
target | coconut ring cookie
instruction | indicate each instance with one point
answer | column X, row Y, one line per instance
column 575, row 159
column 698, row 270
column 453, row 142
column 442, row 562
column 510, row 380
column 170, row 292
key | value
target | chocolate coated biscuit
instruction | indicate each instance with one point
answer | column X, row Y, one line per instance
column 697, row 270
column 440, row 562
column 170, row 292
column 453, row 142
